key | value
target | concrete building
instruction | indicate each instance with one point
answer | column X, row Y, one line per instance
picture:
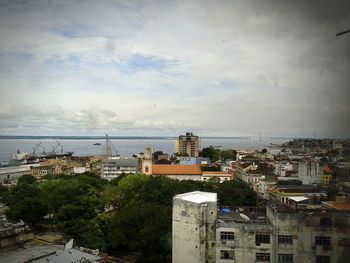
column 310, row 172
column 10, row 174
column 177, row 171
column 278, row 233
column 243, row 235
column 281, row 193
column 188, row 145
column 54, row 254
column 13, row 234
column 114, row 167
column 194, row 218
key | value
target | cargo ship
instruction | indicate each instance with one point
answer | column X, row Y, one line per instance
column 20, row 157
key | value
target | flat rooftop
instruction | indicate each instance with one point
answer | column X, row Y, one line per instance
column 198, row 197
column 242, row 214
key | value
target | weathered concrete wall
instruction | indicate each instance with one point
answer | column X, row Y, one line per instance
column 193, row 231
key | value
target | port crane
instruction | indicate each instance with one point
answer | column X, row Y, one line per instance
column 55, row 147
column 36, row 147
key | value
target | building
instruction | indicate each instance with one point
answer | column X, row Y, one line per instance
column 281, row 193
column 13, row 234
column 114, row 167
column 216, row 175
column 194, row 160
column 178, row 171
column 188, row 145
column 54, row 254
column 278, row 233
column 327, row 176
column 194, row 218
column 10, row 174
column 310, row 172
column 146, row 161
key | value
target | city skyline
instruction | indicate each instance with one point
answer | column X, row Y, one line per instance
column 162, row 68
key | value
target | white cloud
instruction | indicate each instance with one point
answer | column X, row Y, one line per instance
column 230, row 68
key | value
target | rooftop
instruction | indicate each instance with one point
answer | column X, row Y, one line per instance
column 176, row 169
column 295, row 189
column 243, row 214
column 298, row 198
column 337, row 205
column 198, row 197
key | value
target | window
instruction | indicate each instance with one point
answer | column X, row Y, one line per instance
column 265, row 257
column 323, row 259
column 326, row 221
column 262, row 239
column 285, row 258
column 283, row 239
column 323, row 241
column 227, row 235
column 227, row 254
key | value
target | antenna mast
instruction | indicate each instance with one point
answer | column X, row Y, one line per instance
column 108, row 146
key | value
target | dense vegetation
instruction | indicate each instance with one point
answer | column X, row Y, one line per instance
column 139, row 215
column 215, row 154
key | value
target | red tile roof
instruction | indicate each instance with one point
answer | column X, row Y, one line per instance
column 327, row 170
column 174, row 169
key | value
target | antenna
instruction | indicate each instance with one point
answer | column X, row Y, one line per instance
column 108, row 146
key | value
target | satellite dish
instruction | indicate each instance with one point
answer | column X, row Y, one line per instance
column 244, row 217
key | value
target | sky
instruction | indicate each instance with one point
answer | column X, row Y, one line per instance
column 216, row 68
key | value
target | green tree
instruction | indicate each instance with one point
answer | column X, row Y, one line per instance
column 228, row 155
column 26, row 179
column 236, row 193
column 211, row 153
column 25, row 202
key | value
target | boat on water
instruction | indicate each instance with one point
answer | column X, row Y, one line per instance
column 20, row 157
column 96, row 143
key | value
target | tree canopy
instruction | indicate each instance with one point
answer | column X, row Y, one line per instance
column 131, row 214
column 215, row 154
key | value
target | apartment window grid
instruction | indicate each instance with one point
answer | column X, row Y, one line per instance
column 262, row 239
column 322, row 241
column 227, row 254
column 227, row 235
column 285, row 239
column 323, row 259
column 262, row 257
column 285, row 258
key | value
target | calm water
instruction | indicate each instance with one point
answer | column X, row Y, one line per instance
column 126, row 147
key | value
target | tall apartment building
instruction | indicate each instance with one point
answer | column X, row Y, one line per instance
column 276, row 234
column 188, row 145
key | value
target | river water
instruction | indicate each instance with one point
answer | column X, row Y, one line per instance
column 125, row 147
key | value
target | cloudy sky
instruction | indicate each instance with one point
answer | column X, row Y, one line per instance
column 223, row 68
